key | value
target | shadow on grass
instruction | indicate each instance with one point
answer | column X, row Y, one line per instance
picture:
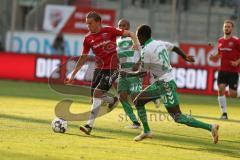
column 43, row 91
column 227, row 148
column 182, row 135
column 186, row 143
column 88, row 136
column 20, row 89
column 225, row 152
column 13, row 154
column 196, row 116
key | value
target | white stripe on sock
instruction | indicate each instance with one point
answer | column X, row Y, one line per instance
column 222, row 103
column 95, row 109
column 238, row 92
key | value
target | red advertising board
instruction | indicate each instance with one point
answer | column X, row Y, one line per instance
column 40, row 68
column 190, row 78
column 197, row 80
column 201, row 53
column 200, row 77
column 71, row 19
column 17, row 66
column 76, row 23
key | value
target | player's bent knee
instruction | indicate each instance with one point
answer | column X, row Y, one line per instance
column 123, row 97
column 139, row 102
column 98, row 93
column 175, row 116
column 175, row 113
column 221, row 92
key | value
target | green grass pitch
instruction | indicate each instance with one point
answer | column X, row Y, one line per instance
column 27, row 109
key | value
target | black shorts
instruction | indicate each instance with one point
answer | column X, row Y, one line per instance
column 228, row 78
column 103, row 79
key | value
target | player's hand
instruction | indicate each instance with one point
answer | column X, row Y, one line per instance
column 142, row 74
column 214, row 58
column 123, row 74
column 69, row 80
column 190, row 59
column 136, row 47
column 234, row 63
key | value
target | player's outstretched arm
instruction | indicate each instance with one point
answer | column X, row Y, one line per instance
column 136, row 66
column 136, row 44
column 124, row 74
column 78, row 66
column 183, row 55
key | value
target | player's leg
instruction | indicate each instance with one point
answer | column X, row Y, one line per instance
column 128, row 110
column 100, row 86
column 148, row 94
column 157, row 103
column 123, row 91
column 178, row 117
column 233, row 85
column 171, row 102
column 222, row 82
column 96, row 103
column 142, row 114
column 105, row 84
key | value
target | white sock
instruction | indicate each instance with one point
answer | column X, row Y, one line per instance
column 107, row 98
column 222, row 103
column 238, row 92
column 94, row 111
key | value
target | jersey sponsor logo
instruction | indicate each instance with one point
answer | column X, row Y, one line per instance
column 102, row 43
column 225, row 49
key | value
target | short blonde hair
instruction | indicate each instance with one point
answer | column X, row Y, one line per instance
column 229, row 21
column 94, row 15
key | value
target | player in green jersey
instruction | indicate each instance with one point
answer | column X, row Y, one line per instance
column 155, row 60
column 127, row 86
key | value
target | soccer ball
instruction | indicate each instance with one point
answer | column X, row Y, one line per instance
column 59, row 125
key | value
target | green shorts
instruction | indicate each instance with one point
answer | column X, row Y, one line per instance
column 131, row 85
column 164, row 90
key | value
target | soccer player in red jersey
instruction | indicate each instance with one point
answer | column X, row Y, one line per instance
column 229, row 52
column 102, row 41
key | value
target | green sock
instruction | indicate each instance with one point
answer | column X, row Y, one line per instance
column 190, row 121
column 129, row 111
column 143, row 117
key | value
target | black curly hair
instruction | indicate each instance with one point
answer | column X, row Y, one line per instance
column 144, row 32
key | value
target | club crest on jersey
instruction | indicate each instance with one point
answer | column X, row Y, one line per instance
column 104, row 35
column 110, row 46
column 125, row 44
column 230, row 43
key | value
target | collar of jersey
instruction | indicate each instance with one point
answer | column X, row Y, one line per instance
column 147, row 42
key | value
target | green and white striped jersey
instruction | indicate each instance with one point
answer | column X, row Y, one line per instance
column 127, row 56
column 155, row 59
